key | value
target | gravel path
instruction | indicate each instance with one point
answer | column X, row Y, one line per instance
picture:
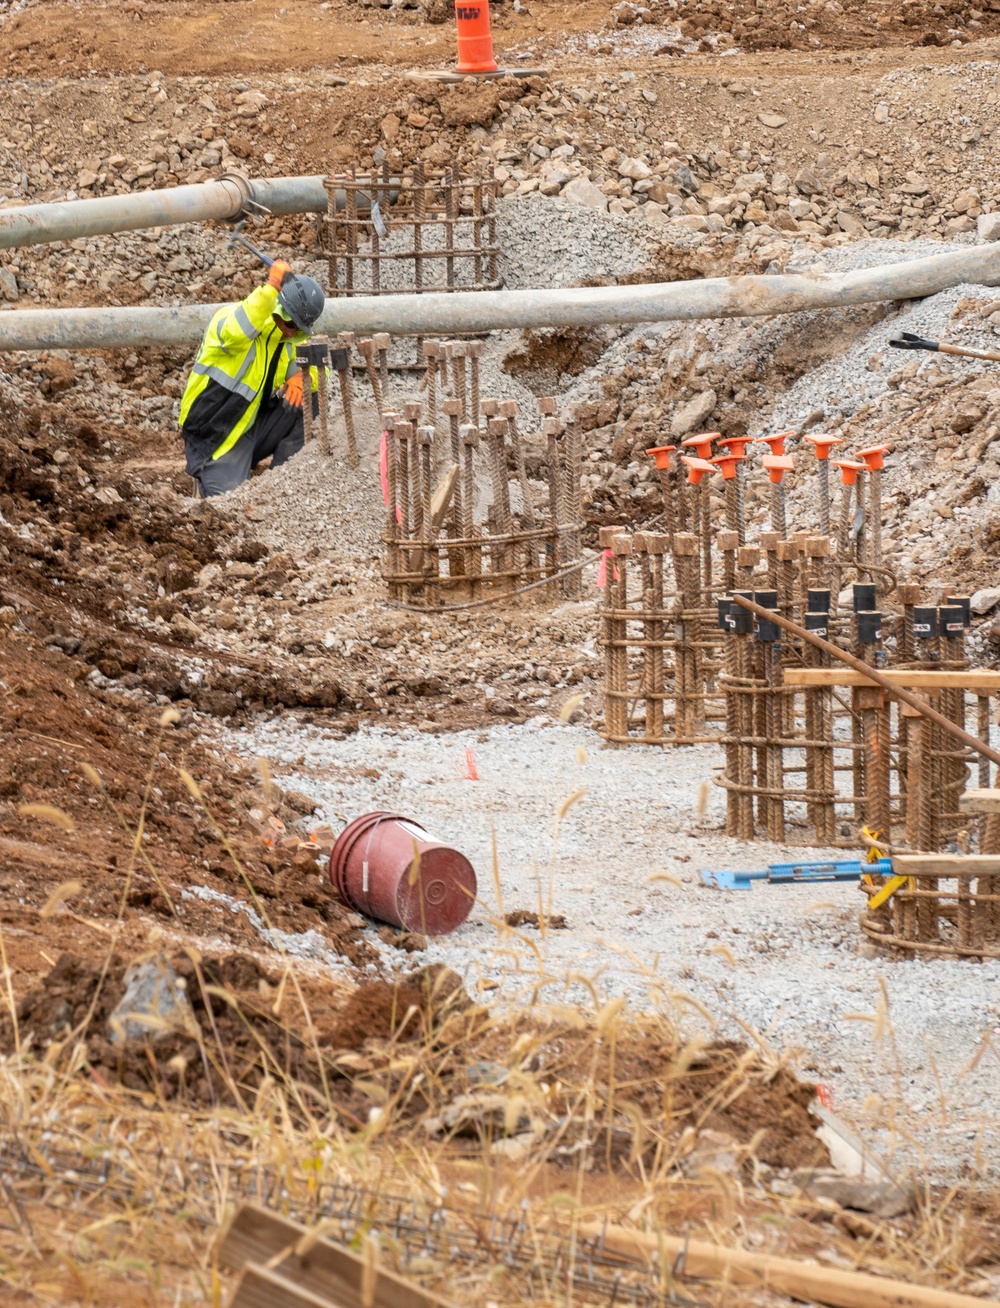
column 896, row 1040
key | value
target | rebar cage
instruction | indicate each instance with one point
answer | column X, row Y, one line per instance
column 812, row 750
column 941, row 910
column 411, row 232
column 475, row 530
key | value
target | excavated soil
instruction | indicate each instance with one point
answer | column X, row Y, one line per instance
column 247, row 1025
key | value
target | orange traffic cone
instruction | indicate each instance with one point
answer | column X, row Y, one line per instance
column 475, row 42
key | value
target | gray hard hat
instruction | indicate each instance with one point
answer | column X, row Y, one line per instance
column 302, row 300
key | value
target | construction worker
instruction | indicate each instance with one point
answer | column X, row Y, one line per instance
column 243, row 400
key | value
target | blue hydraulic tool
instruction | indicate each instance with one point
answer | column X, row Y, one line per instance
column 788, row 873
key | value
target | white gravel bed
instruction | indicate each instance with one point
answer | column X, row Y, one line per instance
column 789, row 962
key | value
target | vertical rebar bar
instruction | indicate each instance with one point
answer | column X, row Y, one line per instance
column 403, row 431
column 451, row 213
column 431, row 350
column 688, row 702
column 333, row 233
column 455, row 351
column 319, row 349
column 508, row 411
column 350, row 229
column 823, row 489
column 552, row 430
column 430, row 558
column 474, row 351
column 741, row 497
column 392, row 529
column 419, row 201
column 843, row 544
column 381, row 341
column 775, row 806
column 366, row 348
column 616, row 632
column 345, row 341
column 657, row 544
column 728, row 543
column 778, row 508
column 573, row 449
column 303, row 360
column 469, row 436
column 496, row 431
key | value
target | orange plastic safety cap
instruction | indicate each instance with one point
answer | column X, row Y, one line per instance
column 697, row 468
column 702, row 445
column 777, row 443
column 777, row 465
column 728, row 464
column 848, row 470
column 475, row 42
column 661, row 454
column 823, row 445
column 874, row 457
column 736, row 445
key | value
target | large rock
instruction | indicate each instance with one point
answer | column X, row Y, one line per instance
column 154, row 1004
column 692, row 222
column 636, row 170
column 8, row 285
column 807, row 182
column 689, row 417
column 883, row 1198
column 988, row 226
column 582, row 191
column 985, row 600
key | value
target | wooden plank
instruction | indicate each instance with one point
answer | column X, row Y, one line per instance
column 258, row 1287
column 980, row 801
column 257, row 1235
column 946, row 865
column 808, row 1282
column 978, row 681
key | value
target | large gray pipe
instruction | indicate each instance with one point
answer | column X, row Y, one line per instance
column 228, row 198
column 479, row 311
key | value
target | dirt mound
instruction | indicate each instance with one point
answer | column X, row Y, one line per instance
column 249, row 1024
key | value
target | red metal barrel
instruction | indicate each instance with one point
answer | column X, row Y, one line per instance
column 390, row 869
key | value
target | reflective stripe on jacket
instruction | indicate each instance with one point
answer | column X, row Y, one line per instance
column 236, row 351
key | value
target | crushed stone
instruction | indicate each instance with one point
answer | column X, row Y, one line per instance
column 622, row 866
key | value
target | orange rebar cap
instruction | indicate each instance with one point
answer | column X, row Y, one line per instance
column 728, row 464
column 697, row 468
column 702, row 445
column 736, row 445
column 777, row 465
column 823, row 445
column 874, row 457
column 661, row 454
column 848, row 470
column 475, row 41
column 777, row 443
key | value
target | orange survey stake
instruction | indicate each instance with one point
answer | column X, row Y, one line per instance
column 475, row 44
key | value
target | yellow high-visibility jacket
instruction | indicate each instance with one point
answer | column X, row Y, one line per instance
column 236, row 351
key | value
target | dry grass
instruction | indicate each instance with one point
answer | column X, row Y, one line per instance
column 552, row 1115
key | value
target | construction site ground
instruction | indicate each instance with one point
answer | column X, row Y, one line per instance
column 168, row 664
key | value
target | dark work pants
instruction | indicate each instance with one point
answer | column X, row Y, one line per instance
column 275, row 431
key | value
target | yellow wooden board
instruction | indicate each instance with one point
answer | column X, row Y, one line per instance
column 978, row 681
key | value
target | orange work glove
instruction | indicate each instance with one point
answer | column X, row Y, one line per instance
column 279, row 271
column 293, row 391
